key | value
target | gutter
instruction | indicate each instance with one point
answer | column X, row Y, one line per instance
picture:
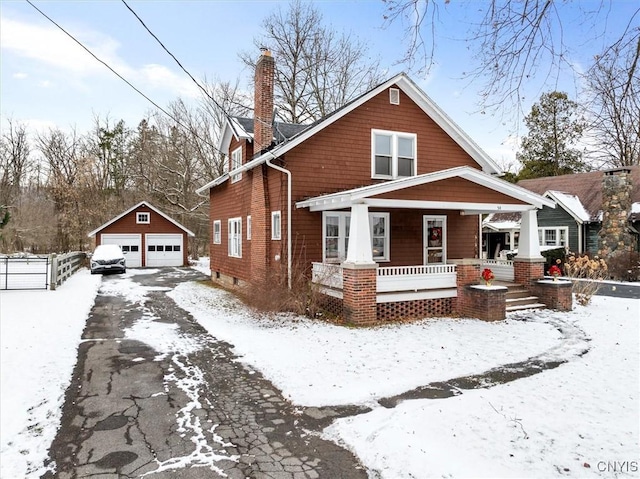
column 288, row 173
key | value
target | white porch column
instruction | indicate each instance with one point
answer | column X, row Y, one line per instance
column 359, row 250
column 529, row 246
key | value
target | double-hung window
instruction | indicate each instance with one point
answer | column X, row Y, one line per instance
column 393, row 154
column 235, row 237
column 557, row 236
column 217, row 232
column 236, row 162
column 336, row 226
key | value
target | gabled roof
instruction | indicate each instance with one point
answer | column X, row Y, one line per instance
column 571, row 204
column 148, row 205
column 587, row 187
column 345, row 199
column 417, row 95
column 241, row 127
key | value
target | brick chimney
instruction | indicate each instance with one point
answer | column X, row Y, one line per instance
column 263, row 102
column 616, row 205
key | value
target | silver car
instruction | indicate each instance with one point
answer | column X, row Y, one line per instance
column 108, row 258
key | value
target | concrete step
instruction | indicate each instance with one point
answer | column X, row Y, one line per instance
column 519, row 293
column 526, row 306
column 522, row 300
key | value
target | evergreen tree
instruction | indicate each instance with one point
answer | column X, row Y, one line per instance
column 554, row 130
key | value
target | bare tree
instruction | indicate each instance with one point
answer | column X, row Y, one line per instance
column 317, row 69
column 614, row 86
column 15, row 163
column 512, row 41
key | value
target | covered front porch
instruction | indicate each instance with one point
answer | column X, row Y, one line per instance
column 359, row 272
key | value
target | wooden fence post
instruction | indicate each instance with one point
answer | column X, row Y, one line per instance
column 53, row 282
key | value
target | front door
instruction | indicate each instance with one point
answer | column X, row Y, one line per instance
column 435, row 239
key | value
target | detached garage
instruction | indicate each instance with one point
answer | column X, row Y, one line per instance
column 147, row 236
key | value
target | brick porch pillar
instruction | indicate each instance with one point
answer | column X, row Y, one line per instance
column 556, row 295
column 467, row 273
column 359, row 293
column 527, row 270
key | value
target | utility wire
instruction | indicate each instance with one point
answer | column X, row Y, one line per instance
column 120, row 76
column 224, row 112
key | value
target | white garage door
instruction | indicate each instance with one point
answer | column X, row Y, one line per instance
column 164, row 249
column 130, row 244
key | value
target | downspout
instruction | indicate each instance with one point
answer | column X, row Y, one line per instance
column 288, row 173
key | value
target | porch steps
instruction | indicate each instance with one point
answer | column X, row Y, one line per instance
column 519, row 298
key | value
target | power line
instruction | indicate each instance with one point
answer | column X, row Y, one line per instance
column 120, row 76
column 175, row 59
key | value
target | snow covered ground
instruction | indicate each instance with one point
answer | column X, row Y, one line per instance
column 578, row 420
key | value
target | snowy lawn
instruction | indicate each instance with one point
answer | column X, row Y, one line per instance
column 552, row 424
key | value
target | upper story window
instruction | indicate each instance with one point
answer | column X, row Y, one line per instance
column 393, row 154
column 236, row 162
column 143, row 218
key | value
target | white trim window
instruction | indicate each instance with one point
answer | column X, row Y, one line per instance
column 393, row 154
column 143, row 218
column 556, row 236
column 217, row 232
column 276, row 225
column 235, row 237
column 335, row 235
column 236, row 162
column 249, row 227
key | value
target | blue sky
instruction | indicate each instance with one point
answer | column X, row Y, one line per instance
column 47, row 80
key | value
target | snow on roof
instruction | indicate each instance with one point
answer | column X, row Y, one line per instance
column 570, row 203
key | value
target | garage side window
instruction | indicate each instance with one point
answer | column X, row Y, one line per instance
column 235, row 237
column 249, row 227
column 143, row 218
column 217, row 232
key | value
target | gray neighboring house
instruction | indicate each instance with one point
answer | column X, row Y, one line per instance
column 582, row 200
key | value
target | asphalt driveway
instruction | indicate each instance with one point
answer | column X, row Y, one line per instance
column 127, row 413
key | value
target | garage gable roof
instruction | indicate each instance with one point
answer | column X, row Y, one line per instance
column 148, row 205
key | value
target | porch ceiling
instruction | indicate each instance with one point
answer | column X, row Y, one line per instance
column 367, row 195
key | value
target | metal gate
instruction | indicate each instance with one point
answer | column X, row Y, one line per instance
column 24, row 273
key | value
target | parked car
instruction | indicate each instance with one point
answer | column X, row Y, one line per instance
column 108, row 258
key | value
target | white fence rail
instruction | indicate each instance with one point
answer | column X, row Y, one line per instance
column 502, row 268
column 415, row 278
column 326, row 274
column 63, row 266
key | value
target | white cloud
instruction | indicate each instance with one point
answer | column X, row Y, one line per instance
column 20, row 75
column 44, row 84
column 52, row 47
column 159, row 76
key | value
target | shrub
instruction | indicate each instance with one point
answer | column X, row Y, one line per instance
column 551, row 257
column 624, row 265
column 589, row 271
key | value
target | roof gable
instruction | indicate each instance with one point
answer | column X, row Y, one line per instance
column 419, row 97
column 135, row 207
column 345, row 199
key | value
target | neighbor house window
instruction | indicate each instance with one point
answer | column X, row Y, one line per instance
column 336, row 226
column 143, row 218
column 249, row 227
column 235, row 237
column 217, row 232
column 393, row 154
column 558, row 236
column 236, row 162
column 276, row 225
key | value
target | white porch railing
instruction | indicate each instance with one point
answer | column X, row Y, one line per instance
column 502, row 268
column 395, row 283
